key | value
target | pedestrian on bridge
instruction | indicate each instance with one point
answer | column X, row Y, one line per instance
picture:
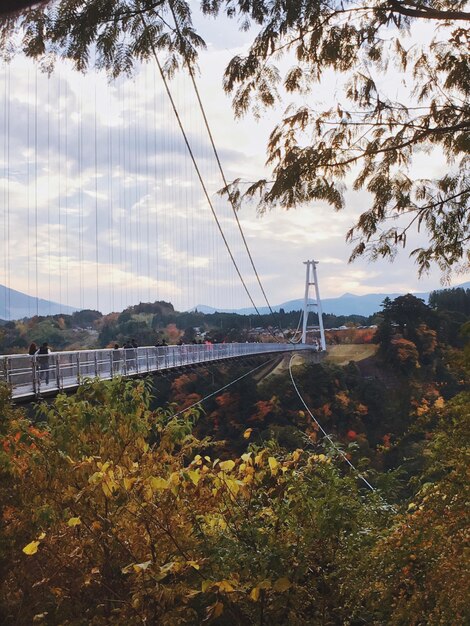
column 116, row 359
column 32, row 349
column 43, row 361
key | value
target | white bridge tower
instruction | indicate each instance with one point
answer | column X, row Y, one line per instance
column 312, row 280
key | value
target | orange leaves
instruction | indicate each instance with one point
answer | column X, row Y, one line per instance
column 265, row 408
column 342, row 399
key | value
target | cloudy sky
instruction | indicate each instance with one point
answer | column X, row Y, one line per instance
column 102, row 207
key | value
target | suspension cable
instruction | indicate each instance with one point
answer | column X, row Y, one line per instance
column 297, row 329
column 327, row 436
column 198, row 172
column 214, row 393
column 219, row 164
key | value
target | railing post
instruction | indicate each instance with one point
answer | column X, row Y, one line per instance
column 34, row 374
column 111, row 364
column 147, row 357
column 78, row 367
column 57, row 370
column 95, row 358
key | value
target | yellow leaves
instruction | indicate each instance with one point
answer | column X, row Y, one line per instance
column 31, row 548
column 95, row 478
column 128, row 483
column 247, row 433
column 265, row 584
column 319, row 458
column 142, row 444
column 141, row 567
column 136, row 567
column 246, row 458
column 74, row 521
column 227, row 466
column 279, row 586
column 256, row 591
column 233, row 486
column 106, row 477
column 195, row 476
column 109, row 486
column 273, row 465
column 282, row 584
column 224, row 586
column 254, row 595
column 158, row 483
column 297, row 454
column 215, row 522
column 194, row 564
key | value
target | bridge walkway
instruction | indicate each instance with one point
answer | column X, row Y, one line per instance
column 31, row 377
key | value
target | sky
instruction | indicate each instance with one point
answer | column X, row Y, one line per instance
column 102, row 206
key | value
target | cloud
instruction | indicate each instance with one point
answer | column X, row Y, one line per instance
column 83, row 161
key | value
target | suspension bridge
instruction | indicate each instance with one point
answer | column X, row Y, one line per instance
column 110, row 197
column 30, row 377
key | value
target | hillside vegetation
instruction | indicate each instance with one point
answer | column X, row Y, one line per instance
column 119, row 507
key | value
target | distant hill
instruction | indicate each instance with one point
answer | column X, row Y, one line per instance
column 15, row 305
column 347, row 304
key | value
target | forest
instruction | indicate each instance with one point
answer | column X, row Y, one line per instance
column 145, row 502
column 152, row 322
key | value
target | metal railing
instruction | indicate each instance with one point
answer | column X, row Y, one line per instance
column 31, row 376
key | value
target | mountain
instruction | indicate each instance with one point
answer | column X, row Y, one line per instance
column 15, row 305
column 347, row 304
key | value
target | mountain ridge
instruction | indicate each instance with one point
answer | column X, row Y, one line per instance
column 15, row 305
column 347, row 304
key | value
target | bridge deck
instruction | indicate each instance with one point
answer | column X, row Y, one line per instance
column 33, row 376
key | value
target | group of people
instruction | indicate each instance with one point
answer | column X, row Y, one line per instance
column 130, row 356
column 42, row 359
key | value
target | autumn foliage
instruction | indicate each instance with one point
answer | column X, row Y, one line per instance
column 117, row 514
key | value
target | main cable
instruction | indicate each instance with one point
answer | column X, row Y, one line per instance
column 216, row 154
column 198, row 172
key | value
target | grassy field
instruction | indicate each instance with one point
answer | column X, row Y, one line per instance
column 342, row 354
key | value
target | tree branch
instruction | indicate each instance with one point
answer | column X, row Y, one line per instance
column 425, row 12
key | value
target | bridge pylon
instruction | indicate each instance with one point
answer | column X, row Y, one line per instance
column 311, row 280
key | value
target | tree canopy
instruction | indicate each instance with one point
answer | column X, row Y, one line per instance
column 402, row 90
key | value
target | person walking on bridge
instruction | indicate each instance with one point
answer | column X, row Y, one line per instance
column 32, row 349
column 43, row 361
